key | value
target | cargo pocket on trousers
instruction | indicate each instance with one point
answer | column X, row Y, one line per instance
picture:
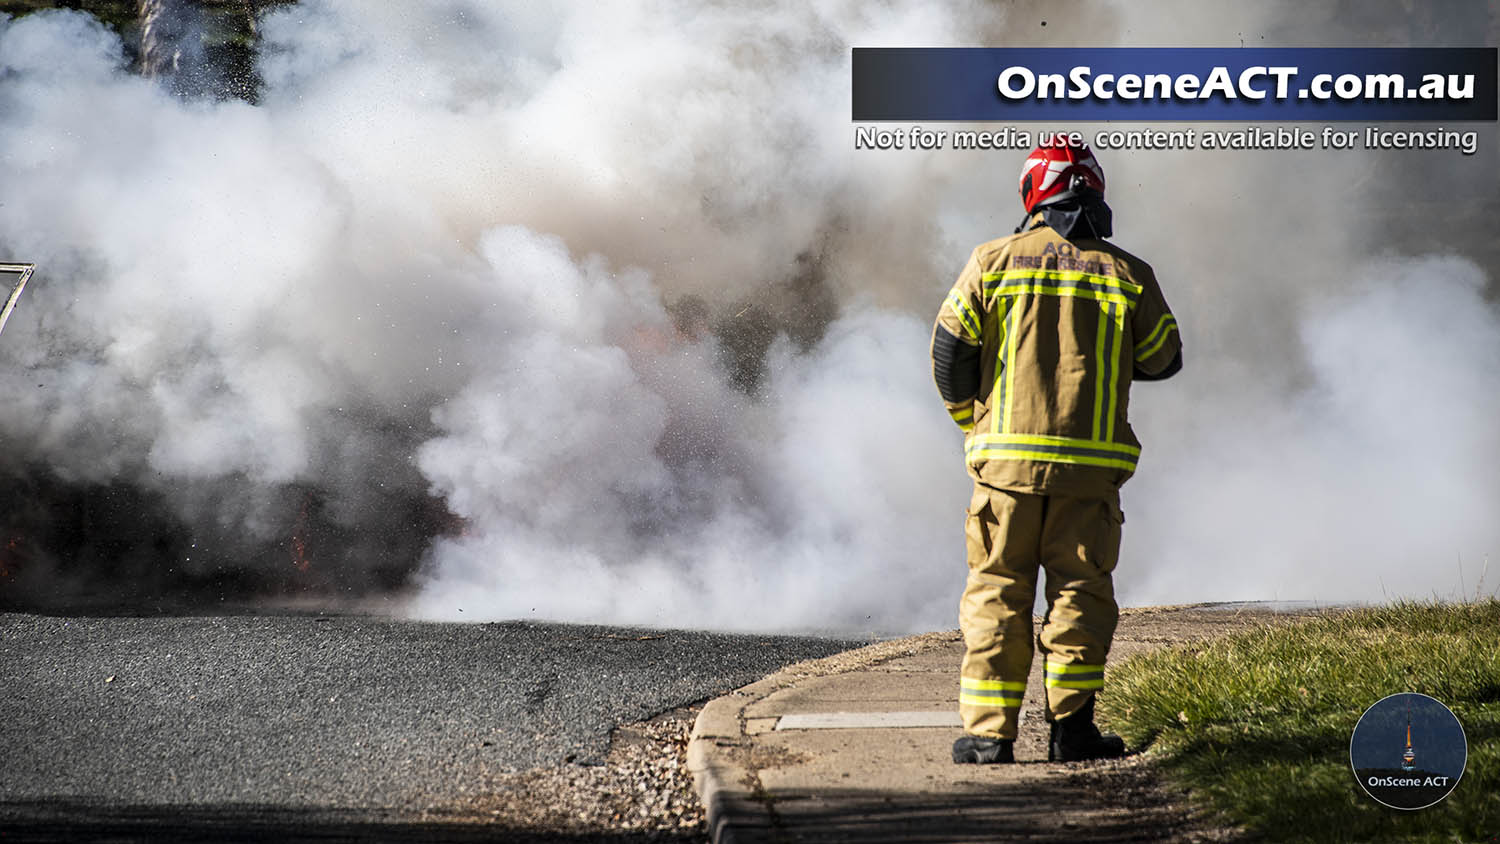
column 1105, row 555
column 978, row 535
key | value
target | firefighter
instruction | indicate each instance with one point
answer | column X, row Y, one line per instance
column 1034, row 352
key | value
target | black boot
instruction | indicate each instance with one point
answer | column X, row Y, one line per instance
column 1076, row 739
column 978, row 750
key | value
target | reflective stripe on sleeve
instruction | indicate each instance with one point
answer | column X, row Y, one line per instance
column 1158, row 336
column 1073, row 676
column 965, row 314
column 964, row 416
column 992, row 693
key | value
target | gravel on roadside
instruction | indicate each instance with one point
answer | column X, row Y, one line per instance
column 642, row 792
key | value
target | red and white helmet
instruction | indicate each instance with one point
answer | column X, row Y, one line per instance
column 1056, row 170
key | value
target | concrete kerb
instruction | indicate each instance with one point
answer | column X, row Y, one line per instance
column 722, row 750
column 718, row 750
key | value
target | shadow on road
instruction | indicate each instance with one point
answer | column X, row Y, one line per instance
column 74, row 821
column 1098, row 805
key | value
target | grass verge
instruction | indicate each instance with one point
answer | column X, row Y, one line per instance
column 1256, row 726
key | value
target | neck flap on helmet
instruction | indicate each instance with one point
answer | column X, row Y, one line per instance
column 1085, row 214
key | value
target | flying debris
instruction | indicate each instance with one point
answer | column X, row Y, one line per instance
column 13, row 278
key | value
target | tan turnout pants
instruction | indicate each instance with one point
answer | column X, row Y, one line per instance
column 1010, row 535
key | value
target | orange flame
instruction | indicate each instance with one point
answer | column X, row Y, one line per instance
column 9, row 560
column 299, row 541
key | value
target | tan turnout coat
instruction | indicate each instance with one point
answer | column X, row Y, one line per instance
column 1049, row 334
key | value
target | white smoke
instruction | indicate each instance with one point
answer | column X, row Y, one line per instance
column 1369, row 480
column 613, row 284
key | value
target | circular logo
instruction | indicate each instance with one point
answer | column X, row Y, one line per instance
column 1408, row 751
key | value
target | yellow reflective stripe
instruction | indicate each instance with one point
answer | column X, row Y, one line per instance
column 1007, row 277
column 1059, row 283
column 1020, row 288
column 1002, row 344
column 1001, row 694
column 1072, row 668
column 1010, row 371
column 1051, row 449
column 1074, row 275
column 964, row 416
column 965, row 314
column 1102, row 362
column 990, row 702
column 1118, row 317
column 1164, row 328
column 1006, row 685
column 1059, row 675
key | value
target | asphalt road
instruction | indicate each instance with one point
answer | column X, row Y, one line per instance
column 195, row 721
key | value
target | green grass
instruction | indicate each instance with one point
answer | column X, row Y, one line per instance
column 1256, row 725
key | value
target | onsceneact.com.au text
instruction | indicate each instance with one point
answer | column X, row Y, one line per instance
column 1252, row 83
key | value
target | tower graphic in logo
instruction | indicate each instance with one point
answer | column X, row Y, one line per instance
column 1395, row 778
column 1409, row 758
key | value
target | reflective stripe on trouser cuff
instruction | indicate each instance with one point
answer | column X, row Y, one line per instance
column 1074, row 676
column 992, row 693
